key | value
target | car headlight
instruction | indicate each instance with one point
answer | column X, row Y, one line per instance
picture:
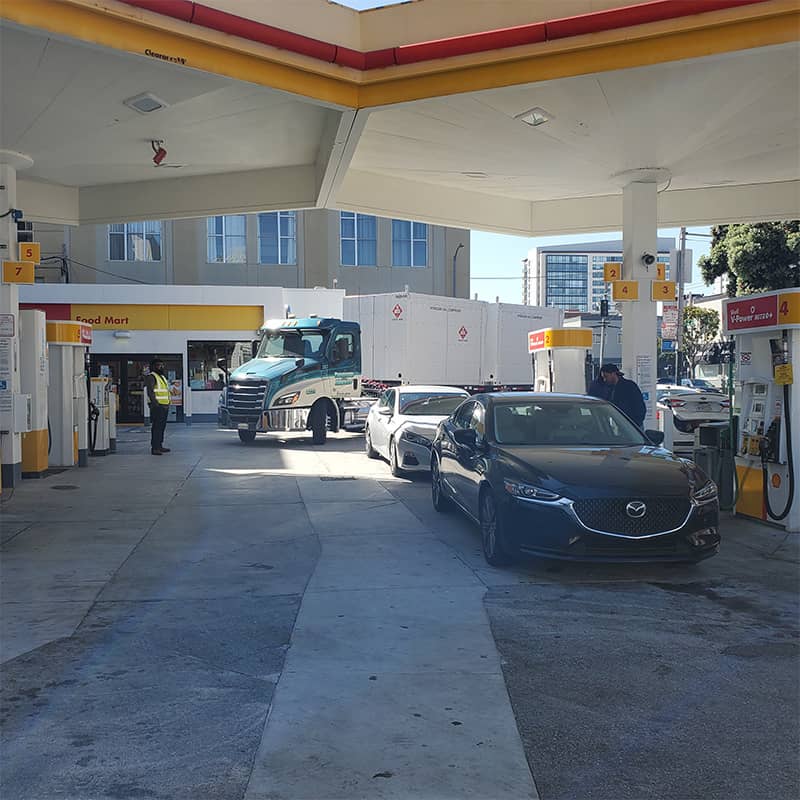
column 526, row 491
column 288, row 399
column 416, row 438
column 708, row 491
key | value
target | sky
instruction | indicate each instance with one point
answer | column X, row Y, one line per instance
column 496, row 259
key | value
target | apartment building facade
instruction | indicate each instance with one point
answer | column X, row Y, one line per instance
column 359, row 253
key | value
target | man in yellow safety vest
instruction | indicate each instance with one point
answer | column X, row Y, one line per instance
column 158, row 396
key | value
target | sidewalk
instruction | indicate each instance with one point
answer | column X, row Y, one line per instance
column 228, row 621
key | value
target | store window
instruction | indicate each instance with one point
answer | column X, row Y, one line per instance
column 359, row 239
column 409, row 243
column 277, row 237
column 227, row 239
column 204, row 374
column 134, row 241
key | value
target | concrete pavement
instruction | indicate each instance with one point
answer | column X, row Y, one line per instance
column 149, row 606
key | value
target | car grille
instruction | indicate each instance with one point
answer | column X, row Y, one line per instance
column 610, row 516
column 246, row 400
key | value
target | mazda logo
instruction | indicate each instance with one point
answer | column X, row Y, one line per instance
column 636, row 509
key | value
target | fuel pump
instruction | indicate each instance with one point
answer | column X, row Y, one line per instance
column 67, row 397
column 767, row 332
column 99, row 429
column 561, row 359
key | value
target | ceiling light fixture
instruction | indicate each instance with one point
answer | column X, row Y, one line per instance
column 534, row 116
column 478, row 176
column 145, row 103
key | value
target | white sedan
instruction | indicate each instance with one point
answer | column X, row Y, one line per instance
column 402, row 424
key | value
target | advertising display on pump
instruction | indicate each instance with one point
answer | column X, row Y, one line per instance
column 561, row 359
column 99, row 416
column 765, row 329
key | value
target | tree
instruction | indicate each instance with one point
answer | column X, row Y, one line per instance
column 756, row 258
column 700, row 329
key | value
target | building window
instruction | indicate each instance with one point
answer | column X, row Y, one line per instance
column 227, row 239
column 134, row 241
column 567, row 281
column 409, row 243
column 277, row 237
column 204, row 374
column 359, row 240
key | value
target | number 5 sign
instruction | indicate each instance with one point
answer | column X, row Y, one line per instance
column 625, row 290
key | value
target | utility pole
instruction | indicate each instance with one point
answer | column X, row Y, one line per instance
column 679, row 280
column 603, row 325
column 526, row 281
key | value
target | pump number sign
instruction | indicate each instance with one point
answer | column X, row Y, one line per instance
column 663, row 290
column 612, row 271
column 625, row 290
column 18, row 271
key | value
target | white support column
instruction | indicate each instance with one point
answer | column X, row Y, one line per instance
column 640, row 235
column 10, row 442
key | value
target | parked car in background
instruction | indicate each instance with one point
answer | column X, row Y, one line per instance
column 570, row 477
column 680, row 411
column 401, row 426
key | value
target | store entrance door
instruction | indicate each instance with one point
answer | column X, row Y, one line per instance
column 128, row 373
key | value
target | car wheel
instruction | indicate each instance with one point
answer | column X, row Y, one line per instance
column 395, row 467
column 440, row 500
column 319, row 424
column 370, row 450
column 248, row 437
column 493, row 539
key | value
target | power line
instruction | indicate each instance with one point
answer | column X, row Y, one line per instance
column 106, row 272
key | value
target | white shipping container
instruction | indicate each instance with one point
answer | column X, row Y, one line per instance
column 505, row 353
column 418, row 338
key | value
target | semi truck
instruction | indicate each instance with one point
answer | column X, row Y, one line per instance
column 323, row 373
column 305, row 374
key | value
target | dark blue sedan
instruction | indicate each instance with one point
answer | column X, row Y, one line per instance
column 571, row 477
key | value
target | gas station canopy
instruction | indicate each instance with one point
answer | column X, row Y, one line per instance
column 519, row 117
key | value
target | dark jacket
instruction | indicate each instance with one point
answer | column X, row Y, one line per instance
column 598, row 388
column 627, row 397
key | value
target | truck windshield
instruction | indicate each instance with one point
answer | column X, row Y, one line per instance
column 293, row 344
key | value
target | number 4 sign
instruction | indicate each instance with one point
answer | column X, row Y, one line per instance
column 625, row 290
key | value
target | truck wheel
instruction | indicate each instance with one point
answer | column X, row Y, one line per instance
column 248, row 437
column 370, row 450
column 319, row 424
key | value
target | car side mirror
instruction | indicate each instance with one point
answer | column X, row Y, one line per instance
column 300, row 362
column 385, row 411
column 656, row 437
column 466, row 437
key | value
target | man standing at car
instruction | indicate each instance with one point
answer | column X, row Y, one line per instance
column 158, row 397
column 624, row 394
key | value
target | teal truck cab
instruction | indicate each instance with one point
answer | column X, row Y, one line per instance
column 305, row 374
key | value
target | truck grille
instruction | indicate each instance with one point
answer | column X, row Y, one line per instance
column 610, row 515
column 246, row 400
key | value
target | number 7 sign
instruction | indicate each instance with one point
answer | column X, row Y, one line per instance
column 18, row 272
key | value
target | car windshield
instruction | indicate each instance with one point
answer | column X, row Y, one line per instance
column 425, row 404
column 292, row 344
column 564, row 423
